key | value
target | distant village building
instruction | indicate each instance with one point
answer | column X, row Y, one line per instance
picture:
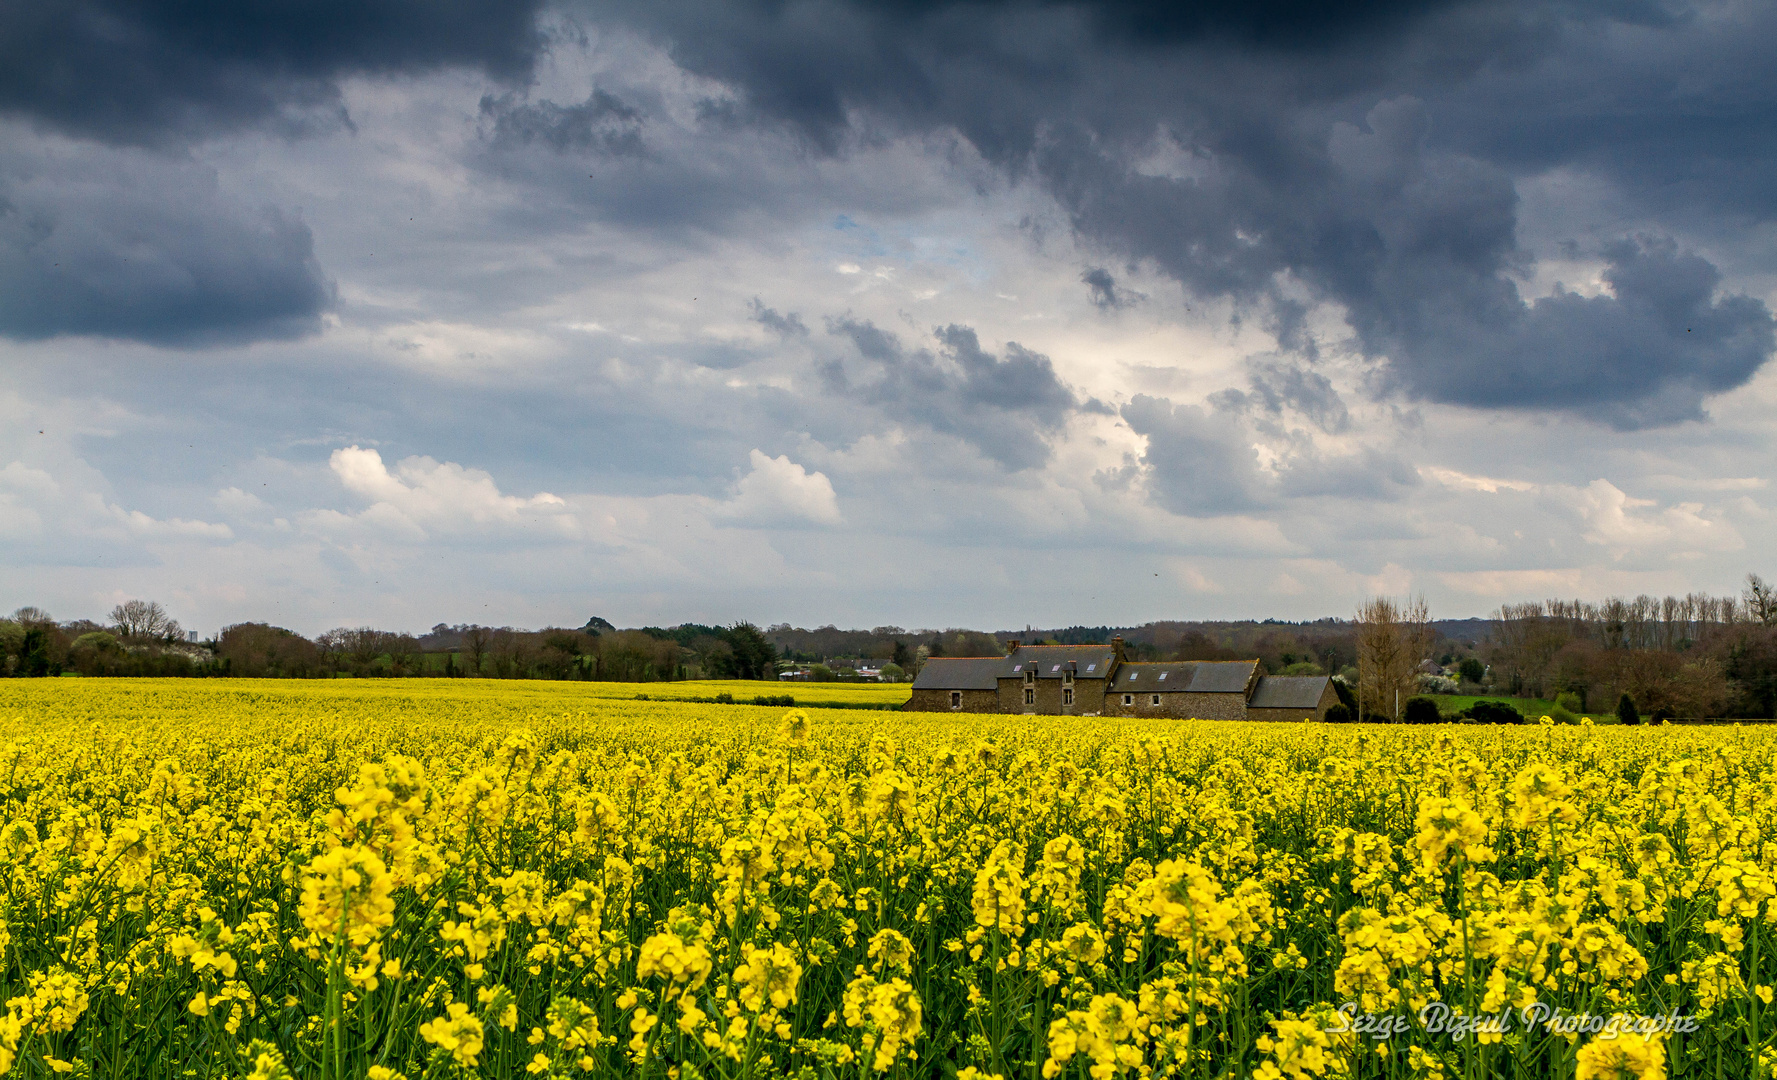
column 1097, row 680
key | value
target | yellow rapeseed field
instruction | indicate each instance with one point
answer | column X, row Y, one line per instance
column 440, row 879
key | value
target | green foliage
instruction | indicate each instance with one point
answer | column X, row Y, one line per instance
column 1471, row 669
column 1420, row 709
column 1626, row 711
column 1493, row 712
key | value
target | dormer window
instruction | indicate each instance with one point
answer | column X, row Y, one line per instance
column 1030, row 675
column 1067, row 676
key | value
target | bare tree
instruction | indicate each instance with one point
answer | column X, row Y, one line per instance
column 1761, row 600
column 475, row 642
column 1391, row 640
column 144, row 619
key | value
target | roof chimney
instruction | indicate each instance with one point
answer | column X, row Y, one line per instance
column 1117, row 647
column 1011, row 646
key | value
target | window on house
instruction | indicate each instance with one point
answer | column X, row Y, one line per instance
column 1129, row 699
column 1030, row 677
column 1030, row 696
column 1067, row 676
column 956, row 699
column 1067, row 695
column 1156, row 699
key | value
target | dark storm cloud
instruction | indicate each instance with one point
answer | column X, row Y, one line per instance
column 601, row 124
column 1291, row 155
column 1105, row 294
column 126, row 245
column 1005, row 407
column 1646, row 355
column 148, row 72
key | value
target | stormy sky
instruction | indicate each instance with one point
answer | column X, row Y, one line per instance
column 903, row 312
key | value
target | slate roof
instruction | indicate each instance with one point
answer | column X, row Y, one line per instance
column 1188, row 676
column 1173, row 676
column 961, row 673
column 1280, row 692
column 1052, row 660
column 1223, row 676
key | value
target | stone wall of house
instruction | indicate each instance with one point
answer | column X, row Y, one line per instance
column 1212, row 706
column 1177, row 705
column 1088, row 697
column 1295, row 716
column 974, row 701
column 1049, row 695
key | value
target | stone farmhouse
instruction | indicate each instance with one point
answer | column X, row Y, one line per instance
column 1096, row 680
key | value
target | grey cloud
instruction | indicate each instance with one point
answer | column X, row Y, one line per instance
column 1362, row 160
column 1103, row 290
column 1201, row 463
column 1197, row 463
column 1277, row 385
column 1368, row 474
column 788, row 326
column 1005, row 407
column 1646, row 355
column 160, row 71
column 125, row 245
column 601, row 124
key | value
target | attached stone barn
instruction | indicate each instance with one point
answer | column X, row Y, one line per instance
column 1292, row 698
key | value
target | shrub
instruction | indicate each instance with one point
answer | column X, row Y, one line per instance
column 1421, row 710
column 1563, row 715
column 1626, row 713
column 1571, row 701
column 1436, row 684
column 1493, row 712
column 1339, row 713
column 1471, row 669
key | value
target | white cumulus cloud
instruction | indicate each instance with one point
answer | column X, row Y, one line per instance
column 778, row 491
column 422, row 494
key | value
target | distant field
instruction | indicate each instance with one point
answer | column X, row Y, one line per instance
column 744, row 690
column 521, row 695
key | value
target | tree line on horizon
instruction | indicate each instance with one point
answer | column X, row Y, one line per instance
column 1688, row 656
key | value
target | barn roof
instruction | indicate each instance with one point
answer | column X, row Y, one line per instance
column 1292, row 692
column 1187, row 676
column 1173, row 676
